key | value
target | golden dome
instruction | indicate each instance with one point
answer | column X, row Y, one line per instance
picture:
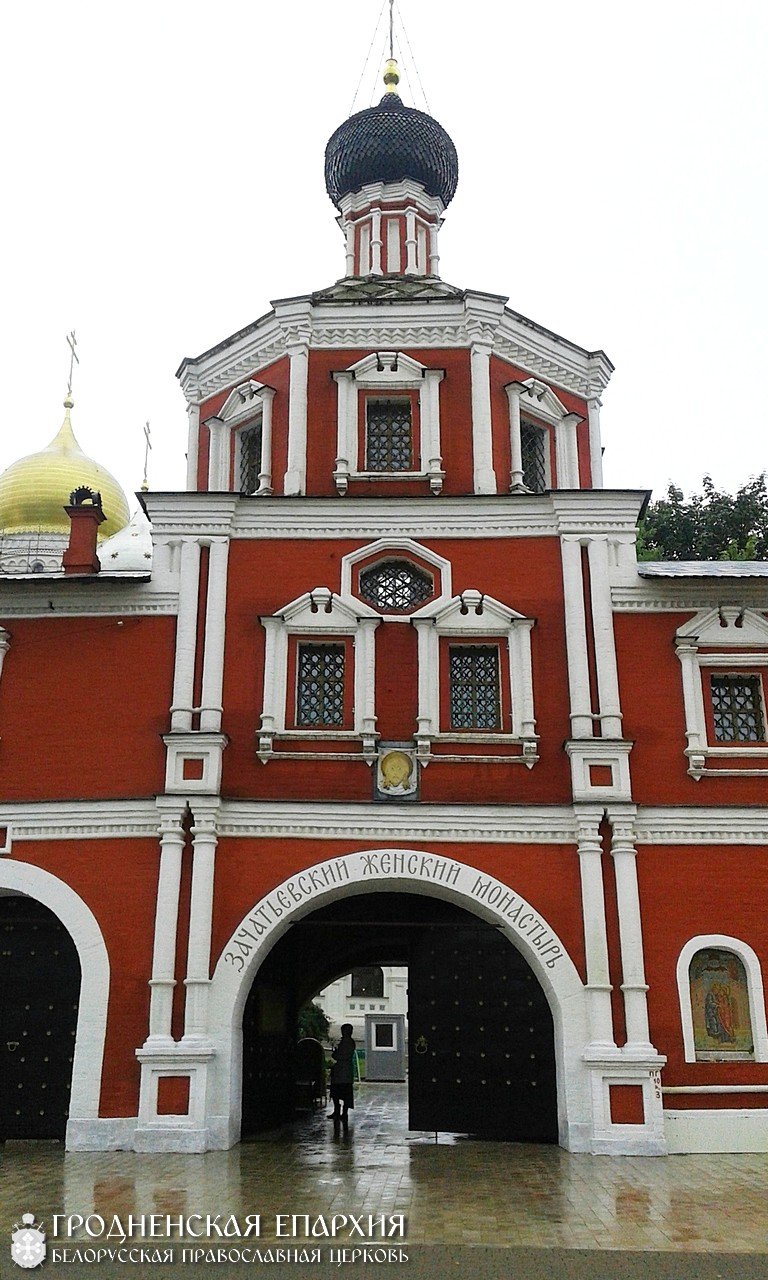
column 35, row 490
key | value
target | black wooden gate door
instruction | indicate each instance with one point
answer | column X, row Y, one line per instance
column 39, row 993
column 481, row 1054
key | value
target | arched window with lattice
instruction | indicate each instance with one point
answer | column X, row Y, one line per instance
column 395, row 586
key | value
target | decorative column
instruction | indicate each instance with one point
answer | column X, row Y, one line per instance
column 566, row 452
column 521, row 674
column 197, row 981
column 430, row 426
column 365, row 683
column 5, row 644
column 516, row 485
column 266, row 395
column 598, row 984
column 411, row 243
column 295, row 476
column 346, row 422
column 576, row 639
column 273, row 707
column 434, row 256
column 349, row 242
column 215, row 614
column 605, row 642
column 218, row 456
column 595, row 443
column 693, row 700
column 482, row 438
column 633, row 984
column 163, row 981
column 193, row 445
column 376, row 243
column 428, row 719
column 186, row 637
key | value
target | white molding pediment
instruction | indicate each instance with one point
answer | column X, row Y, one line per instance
column 393, row 548
column 389, row 369
column 471, row 610
column 324, row 610
column 540, row 401
column 243, row 403
column 726, row 627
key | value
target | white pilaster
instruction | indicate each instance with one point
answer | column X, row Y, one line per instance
column 566, row 452
column 430, row 426
column 521, row 678
column 218, row 455
column 576, row 639
column 266, row 396
column 434, row 256
column 411, row 244
column 213, row 659
column 376, row 242
column 595, row 442
column 346, row 422
column 186, row 636
column 482, row 438
column 516, row 485
column 598, row 983
column 162, row 982
column 633, row 984
column 197, row 981
column 5, row 644
column 605, row 643
column 193, row 445
column 350, row 248
column 693, row 699
column 295, row 476
column 365, row 683
column 428, row 718
column 273, row 704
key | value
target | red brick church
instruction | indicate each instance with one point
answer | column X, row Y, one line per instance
column 385, row 684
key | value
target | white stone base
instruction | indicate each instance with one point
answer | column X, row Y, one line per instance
column 101, row 1134
column 720, row 1130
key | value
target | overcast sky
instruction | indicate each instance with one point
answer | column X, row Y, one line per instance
column 164, row 182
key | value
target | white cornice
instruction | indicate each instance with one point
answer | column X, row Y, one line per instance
column 52, row 600
column 445, row 322
column 536, row 824
column 577, row 513
column 698, row 824
column 688, row 596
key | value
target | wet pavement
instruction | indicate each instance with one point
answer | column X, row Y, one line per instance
column 456, row 1193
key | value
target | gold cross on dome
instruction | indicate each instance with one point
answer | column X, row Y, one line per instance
column 72, row 343
column 147, row 447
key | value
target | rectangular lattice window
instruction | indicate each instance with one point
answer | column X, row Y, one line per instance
column 737, row 708
column 320, row 685
column 249, row 441
column 533, row 445
column 388, row 435
column 473, row 676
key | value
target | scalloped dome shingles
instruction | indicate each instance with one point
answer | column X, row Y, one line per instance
column 387, row 143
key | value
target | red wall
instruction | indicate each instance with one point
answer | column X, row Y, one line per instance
column 654, row 718
column 686, row 891
column 83, row 704
column 264, row 576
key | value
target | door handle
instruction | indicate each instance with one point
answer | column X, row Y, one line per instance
column 11, row 1045
column 421, row 1045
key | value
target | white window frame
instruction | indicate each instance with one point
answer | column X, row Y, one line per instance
column 723, row 942
column 525, row 420
column 534, row 400
column 319, row 615
column 244, row 407
column 473, row 616
column 397, row 549
column 723, row 632
column 387, row 374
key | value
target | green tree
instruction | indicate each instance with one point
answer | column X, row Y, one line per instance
column 312, row 1022
column 711, row 525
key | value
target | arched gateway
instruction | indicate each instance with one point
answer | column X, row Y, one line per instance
column 40, row 906
column 395, row 871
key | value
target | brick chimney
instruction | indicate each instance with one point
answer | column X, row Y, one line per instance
column 85, row 515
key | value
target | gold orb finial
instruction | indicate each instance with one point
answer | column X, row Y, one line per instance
column 391, row 75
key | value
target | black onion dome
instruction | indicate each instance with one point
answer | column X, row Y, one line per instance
column 386, row 144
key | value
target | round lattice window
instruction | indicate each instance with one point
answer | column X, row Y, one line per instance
column 395, row 585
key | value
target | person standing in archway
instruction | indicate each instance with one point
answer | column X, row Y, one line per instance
column 342, row 1079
